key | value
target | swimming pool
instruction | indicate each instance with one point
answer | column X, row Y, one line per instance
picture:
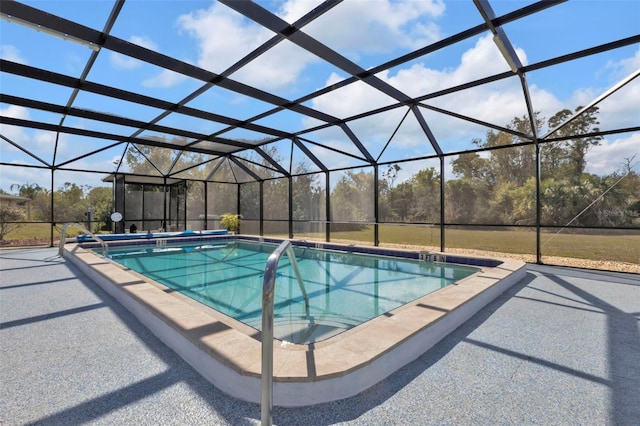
column 344, row 289
column 227, row 352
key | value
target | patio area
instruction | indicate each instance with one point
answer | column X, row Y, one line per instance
column 560, row 347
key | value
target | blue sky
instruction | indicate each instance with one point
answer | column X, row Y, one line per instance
column 369, row 33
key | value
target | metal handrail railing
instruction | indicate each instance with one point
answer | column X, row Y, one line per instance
column 63, row 237
column 268, row 288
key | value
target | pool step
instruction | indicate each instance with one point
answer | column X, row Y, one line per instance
column 302, row 330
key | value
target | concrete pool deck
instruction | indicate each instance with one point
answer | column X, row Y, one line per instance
column 228, row 353
column 561, row 346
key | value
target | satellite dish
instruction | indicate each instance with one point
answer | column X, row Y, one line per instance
column 116, row 217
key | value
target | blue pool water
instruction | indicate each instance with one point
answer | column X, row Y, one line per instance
column 344, row 289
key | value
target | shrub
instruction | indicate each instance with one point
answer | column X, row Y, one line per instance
column 9, row 220
column 230, row 221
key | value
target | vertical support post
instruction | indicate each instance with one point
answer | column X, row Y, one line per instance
column 261, row 208
column 184, row 195
column 144, row 207
column 327, row 207
column 238, row 212
column 164, row 204
column 290, row 180
column 442, row 186
column 538, row 206
column 114, row 203
column 52, row 216
column 206, row 207
column 534, row 130
column 119, row 202
column 376, row 198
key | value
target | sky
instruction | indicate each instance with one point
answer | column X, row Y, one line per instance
column 368, row 33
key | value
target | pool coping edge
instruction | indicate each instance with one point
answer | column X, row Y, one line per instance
column 345, row 366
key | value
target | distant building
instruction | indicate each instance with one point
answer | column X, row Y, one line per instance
column 7, row 200
column 16, row 202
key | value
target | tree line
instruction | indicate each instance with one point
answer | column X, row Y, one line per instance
column 495, row 184
column 71, row 201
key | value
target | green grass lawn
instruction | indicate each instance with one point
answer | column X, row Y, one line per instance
column 36, row 231
column 616, row 248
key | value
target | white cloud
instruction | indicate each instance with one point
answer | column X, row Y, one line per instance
column 82, row 178
column 41, row 144
column 622, row 108
column 350, row 100
column 37, row 142
column 610, row 155
column 11, row 53
column 144, row 41
column 497, row 103
column 364, row 27
column 483, row 58
column 164, row 79
column 225, row 36
column 14, row 133
column 45, row 141
column 417, row 80
column 123, row 62
column 335, row 138
column 291, row 11
column 20, row 175
column 619, row 110
column 624, row 67
column 277, row 69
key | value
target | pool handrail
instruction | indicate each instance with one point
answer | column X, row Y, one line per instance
column 63, row 237
column 268, row 289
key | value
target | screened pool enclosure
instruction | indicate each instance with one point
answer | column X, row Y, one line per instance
column 509, row 127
